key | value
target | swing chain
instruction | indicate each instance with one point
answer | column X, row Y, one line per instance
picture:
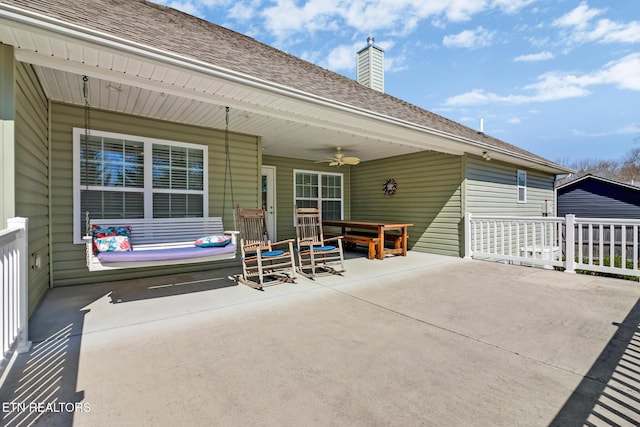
column 227, row 167
column 87, row 118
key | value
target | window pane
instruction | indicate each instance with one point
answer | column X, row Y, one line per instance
column 264, row 191
column 195, row 167
column 331, row 209
column 172, row 205
column 315, row 189
column 522, row 178
column 178, row 168
column 331, row 186
column 306, row 185
column 306, row 203
column 161, row 166
column 108, row 162
column 110, row 204
column 522, row 186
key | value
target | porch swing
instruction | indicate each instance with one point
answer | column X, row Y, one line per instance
column 134, row 243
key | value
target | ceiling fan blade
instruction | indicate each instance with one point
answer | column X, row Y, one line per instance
column 324, row 161
column 334, row 163
column 350, row 160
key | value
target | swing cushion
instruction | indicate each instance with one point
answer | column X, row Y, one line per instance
column 99, row 232
column 165, row 254
column 213, row 241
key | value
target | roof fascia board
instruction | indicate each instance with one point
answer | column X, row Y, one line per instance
column 601, row 179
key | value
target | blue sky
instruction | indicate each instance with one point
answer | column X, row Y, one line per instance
column 560, row 78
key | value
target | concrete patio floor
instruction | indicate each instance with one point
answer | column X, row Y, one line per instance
column 416, row 340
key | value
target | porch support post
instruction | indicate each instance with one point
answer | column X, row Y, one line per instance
column 23, row 344
column 7, row 134
column 570, row 244
column 467, row 236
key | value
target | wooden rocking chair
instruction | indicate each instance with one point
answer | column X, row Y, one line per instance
column 316, row 254
column 262, row 263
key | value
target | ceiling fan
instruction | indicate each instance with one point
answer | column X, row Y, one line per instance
column 339, row 159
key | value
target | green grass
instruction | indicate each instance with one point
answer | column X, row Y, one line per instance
column 617, row 262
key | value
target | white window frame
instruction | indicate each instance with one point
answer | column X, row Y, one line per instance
column 78, row 217
column 319, row 199
column 518, row 186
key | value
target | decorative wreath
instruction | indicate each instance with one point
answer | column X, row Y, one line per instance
column 389, row 187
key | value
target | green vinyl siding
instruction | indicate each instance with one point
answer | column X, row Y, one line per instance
column 32, row 174
column 428, row 195
column 284, row 189
column 491, row 189
column 69, row 266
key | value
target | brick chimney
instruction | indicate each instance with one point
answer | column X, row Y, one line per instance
column 370, row 70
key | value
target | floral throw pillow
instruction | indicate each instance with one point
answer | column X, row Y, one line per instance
column 112, row 244
column 98, row 232
column 211, row 241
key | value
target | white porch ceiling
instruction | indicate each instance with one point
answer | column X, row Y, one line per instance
column 288, row 128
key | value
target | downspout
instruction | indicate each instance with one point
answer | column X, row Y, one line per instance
column 463, row 202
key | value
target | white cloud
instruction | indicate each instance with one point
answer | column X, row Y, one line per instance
column 553, row 86
column 607, row 31
column 343, row 57
column 622, row 73
column 582, row 28
column 631, row 129
column 535, row 57
column 365, row 16
column 512, row 6
column 578, row 17
column 242, row 11
column 471, row 39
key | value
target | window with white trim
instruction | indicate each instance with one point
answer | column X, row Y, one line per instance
column 319, row 189
column 522, row 186
column 126, row 176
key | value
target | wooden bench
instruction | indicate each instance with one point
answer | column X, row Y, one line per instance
column 161, row 241
column 392, row 237
column 360, row 239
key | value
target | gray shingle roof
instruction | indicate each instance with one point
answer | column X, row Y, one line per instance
column 168, row 29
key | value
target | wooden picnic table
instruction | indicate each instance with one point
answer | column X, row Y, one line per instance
column 380, row 228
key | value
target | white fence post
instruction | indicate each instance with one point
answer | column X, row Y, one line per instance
column 23, row 344
column 570, row 244
column 467, row 235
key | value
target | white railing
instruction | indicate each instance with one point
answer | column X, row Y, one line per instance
column 13, row 290
column 603, row 245
column 594, row 244
column 530, row 240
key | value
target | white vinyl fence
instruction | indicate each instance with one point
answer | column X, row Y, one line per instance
column 13, row 289
column 602, row 245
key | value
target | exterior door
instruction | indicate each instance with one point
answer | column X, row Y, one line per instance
column 269, row 198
